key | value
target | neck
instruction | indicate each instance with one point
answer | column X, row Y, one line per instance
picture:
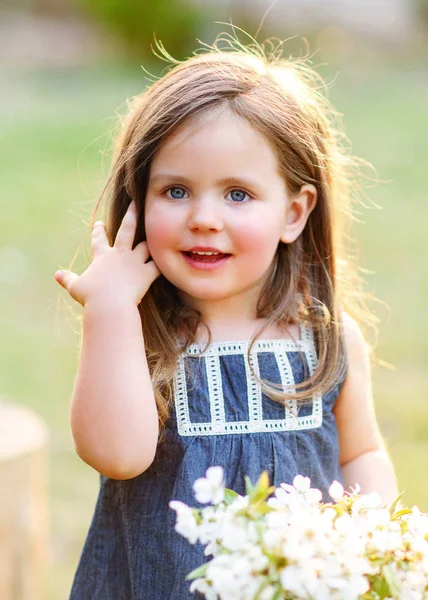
column 230, row 322
column 234, row 319
column 228, row 316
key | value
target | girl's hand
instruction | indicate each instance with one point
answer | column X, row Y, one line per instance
column 117, row 274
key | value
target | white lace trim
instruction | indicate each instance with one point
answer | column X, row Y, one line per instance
column 218, row 424
column 215, row 389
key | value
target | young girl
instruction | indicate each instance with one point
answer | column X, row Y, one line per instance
column 214, row 324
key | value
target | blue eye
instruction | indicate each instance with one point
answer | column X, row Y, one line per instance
column 238, row 195
column 176, row 193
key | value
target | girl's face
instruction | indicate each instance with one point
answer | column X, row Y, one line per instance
column 214, row 187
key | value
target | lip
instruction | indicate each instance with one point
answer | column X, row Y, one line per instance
column 205, row 249
column 201, row 265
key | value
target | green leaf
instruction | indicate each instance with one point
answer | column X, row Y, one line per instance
column 391, row 578
column 278, row 594
column 262, row 587
column 198, row 572
column 262, row 508
column 261, row 490
column 229, row 496
column 263, row 481
column 395, row 503
column 381, row 587
column 196, row 512
column 248, row 486
column 400, row 513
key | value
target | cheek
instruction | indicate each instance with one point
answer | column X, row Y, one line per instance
column 160, row 231
column 258, row 239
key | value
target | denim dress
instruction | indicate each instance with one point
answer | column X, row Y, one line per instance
column 220, row 417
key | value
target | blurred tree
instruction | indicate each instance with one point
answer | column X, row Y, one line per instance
column 177, row 23
column 422, row 10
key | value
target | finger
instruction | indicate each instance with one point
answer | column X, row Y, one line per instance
column 143, row 250
column 152, row 271
column 66, row 279
column 99, row 238
column 126, row 233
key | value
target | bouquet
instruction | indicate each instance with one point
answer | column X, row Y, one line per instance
column 284, row 543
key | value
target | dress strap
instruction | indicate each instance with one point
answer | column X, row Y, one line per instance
column 307, row 337
column 306, row 333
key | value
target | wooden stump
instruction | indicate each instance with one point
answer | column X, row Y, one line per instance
column 23, row 504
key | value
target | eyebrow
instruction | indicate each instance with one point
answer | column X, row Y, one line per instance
column 245, row 181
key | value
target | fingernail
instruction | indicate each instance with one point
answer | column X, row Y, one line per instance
column 98, row 223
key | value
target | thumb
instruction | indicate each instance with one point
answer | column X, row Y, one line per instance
column 66, row 279
column 152, row 270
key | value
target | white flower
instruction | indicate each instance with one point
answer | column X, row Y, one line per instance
column 280, row 499
column 349, row 588
column 329, row 514
column 328, row 553
column 239, row 503
column 385, row 541
column 336, row 491
column 344, row 524
column 297, row 548
column 211, row 487
column 212, row 519
column 268, row 593
column 356, row 489
column 298, row 495
column 186, row 523
column 202, row 586
column 272, row 539
column 235, row 535
column 232, row 576
column 302, row 485
column 366, row 502
column 417, row 522
column 292, row 580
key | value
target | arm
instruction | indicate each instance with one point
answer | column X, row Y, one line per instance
column 363, row 456
column 114, row 418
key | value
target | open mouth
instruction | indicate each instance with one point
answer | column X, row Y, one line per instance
column 205, row 260
column 206, row 256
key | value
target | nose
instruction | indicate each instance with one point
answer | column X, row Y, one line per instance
column 205, row 215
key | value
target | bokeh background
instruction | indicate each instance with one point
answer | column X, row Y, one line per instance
column 67, row 69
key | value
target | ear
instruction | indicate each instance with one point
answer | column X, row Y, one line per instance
column 300, row 207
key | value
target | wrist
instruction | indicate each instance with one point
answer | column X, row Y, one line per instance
column 109, row 311
column 108, row 305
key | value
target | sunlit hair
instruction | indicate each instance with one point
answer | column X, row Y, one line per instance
column 313, row 279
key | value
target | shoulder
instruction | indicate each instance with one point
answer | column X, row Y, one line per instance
column 355, row 343
column 354, row 408
column 356, row 349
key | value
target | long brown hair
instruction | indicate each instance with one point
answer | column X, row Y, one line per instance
column 312, row 279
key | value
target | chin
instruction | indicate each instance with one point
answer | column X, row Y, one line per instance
column 203, row 293
column 210, row 296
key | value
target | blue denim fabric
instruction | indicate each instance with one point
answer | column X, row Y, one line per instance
column 132, row 551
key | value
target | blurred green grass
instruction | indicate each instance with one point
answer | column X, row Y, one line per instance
column 54, row 135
